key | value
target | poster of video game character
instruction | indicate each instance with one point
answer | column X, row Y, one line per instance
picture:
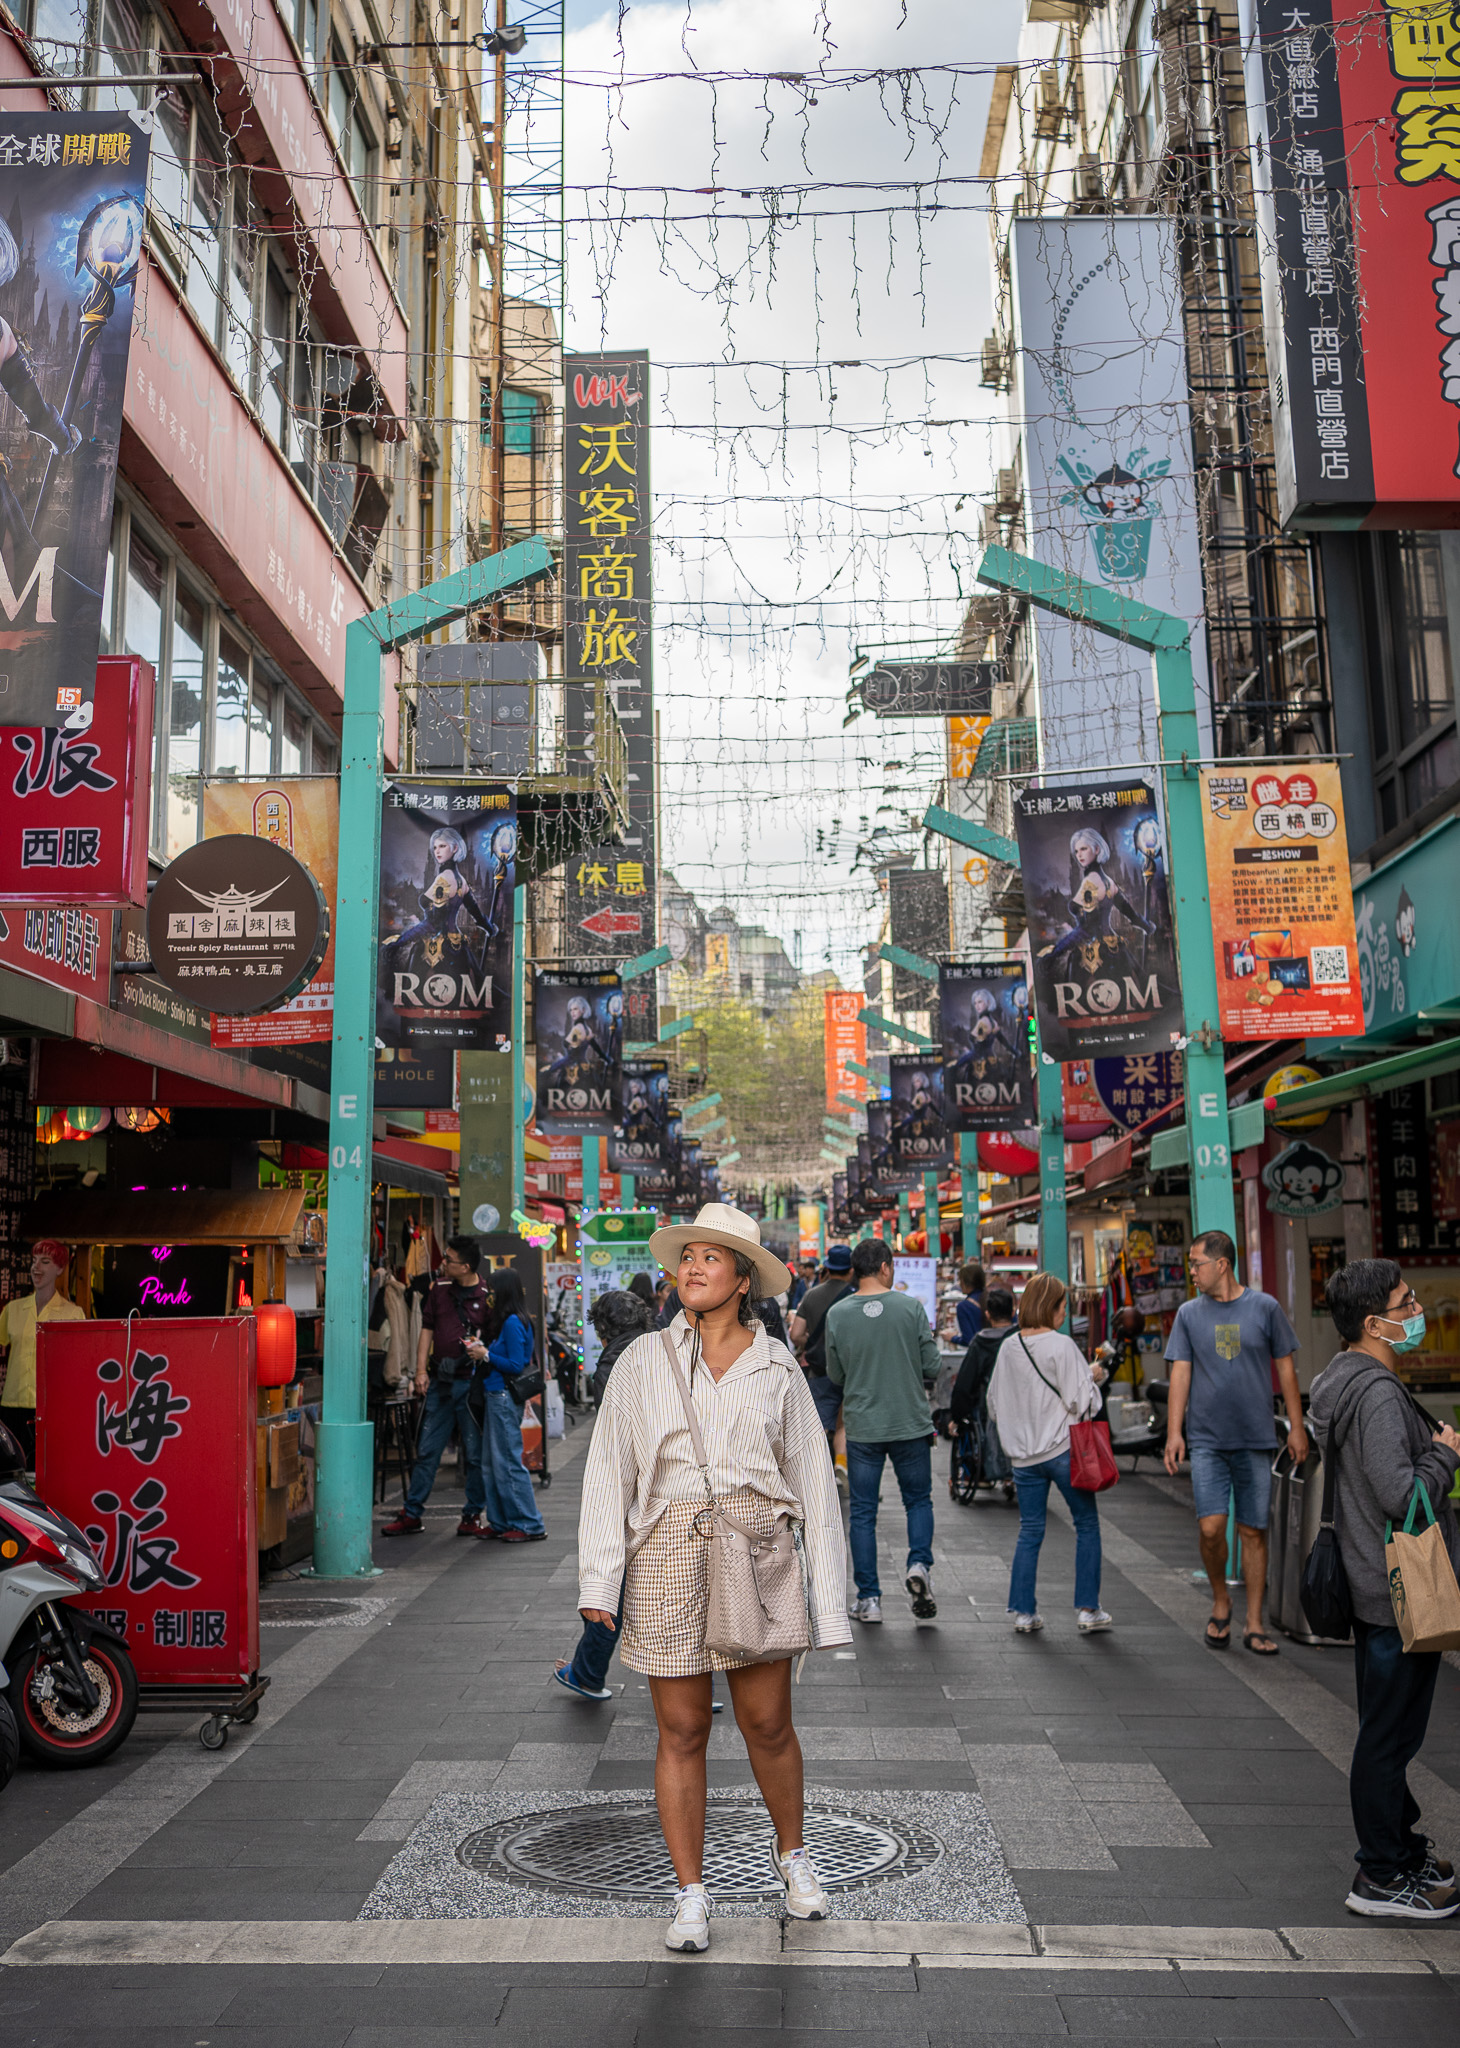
column 72, row 195
column 640, row 1145
column 579, row 1022
column 919, row 1132
column 1096, row 889
column 448, row 866
column 987, row 1081
column 887, row 1173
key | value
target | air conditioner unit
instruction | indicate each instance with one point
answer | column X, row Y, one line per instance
column 1007, row 494
column 1049, row 105
column 1089, row 175
column 995, row 363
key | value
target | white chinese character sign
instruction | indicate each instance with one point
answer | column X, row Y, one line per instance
column 72, row 190
column 1106, row 446
column 1354, row 109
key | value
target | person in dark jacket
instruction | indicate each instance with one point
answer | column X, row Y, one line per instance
column 968, row 1402
column 1385, row 1445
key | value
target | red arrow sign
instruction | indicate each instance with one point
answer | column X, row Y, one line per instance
column 609, row 924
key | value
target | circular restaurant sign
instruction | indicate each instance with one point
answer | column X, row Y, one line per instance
column 236, row 925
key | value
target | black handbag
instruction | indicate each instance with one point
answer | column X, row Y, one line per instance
column 1324, row 1592
column 522, row 1386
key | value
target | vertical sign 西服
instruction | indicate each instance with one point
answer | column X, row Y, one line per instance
column 609, row 898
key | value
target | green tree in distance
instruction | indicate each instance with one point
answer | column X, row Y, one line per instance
column 770, row 1074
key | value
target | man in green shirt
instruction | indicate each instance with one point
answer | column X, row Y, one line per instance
column 880, row 1352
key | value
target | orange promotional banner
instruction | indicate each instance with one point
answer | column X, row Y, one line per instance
column 1282, row 907
column 846, row 1039
column 304, row 817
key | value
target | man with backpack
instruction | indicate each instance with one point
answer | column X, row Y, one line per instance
column 808, row 1331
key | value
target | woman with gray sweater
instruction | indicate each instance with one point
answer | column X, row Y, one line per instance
column 1384, row 1444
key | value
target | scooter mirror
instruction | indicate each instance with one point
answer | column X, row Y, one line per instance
column 12, row 1457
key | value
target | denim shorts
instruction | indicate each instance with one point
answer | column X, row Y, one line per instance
column 1216, row 1476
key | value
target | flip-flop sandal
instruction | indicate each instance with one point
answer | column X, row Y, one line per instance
column 1258, row 1635
column 1224, row 1640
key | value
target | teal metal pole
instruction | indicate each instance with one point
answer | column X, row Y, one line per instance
column 904, row 1216
column 519, row 1049
column 344, row 1486
column 821, row 1234
column 1213, row 1206
column 932, row 1222
column 1054, row 1235
column 590, row 1175
column 626, row 1190
column 968, row 1189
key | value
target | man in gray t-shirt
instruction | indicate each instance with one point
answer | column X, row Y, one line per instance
column 1223, row 1350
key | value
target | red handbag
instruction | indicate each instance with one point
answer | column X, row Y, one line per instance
column 1092, row 1461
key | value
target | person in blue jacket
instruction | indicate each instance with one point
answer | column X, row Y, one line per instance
column 512, row 1515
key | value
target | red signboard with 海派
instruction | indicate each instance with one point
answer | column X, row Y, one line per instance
column 74, row 798
column 145, row 1438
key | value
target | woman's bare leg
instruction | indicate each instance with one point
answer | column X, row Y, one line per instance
column 762, row 1698
column 682, row 1709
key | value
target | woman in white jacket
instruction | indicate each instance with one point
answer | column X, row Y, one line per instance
column 641, row 1529
column 1041, row 1384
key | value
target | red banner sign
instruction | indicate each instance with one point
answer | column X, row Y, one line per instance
column 145, row 1438
column 74, row 798
column 846, row 1039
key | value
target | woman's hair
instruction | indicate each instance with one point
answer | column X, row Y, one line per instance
column 9, row 254
column 1359, row 1290
column 745, row 1269
column 508, row 1299
column 643, row 1286
column 970, row 1277
column 1041, row 1306
column 619, row 1312
column 454, row 840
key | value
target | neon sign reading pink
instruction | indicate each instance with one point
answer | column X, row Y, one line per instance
column 154, row 1294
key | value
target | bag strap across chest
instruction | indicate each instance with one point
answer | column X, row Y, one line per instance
column 696, row 1437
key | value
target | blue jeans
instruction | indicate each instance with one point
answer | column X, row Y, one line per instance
column 1395, row 1691
column 912, row 1463
column 446, row 1407
column 1032, row 1484
column 510, row 1501
column 594, row 1654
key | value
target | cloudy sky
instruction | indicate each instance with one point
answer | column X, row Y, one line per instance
column 813, row 324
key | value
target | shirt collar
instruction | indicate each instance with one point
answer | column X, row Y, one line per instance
column 753, row 1360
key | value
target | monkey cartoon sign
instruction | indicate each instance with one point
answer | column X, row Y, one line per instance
column 1303, row 1181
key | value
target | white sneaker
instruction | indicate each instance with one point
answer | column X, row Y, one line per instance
column 689, row 1930
column 868, row 1610
column 1028, row 1624
column 1091, row 1620
column 919, row 1583
column 805, row 1900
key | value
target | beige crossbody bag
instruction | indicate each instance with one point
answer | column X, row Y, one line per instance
column 757, row 1607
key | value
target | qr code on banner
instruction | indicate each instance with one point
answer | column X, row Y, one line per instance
column 1329, row 964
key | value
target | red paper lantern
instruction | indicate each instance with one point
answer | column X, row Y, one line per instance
column 1005, row 1152
column 276, row 1345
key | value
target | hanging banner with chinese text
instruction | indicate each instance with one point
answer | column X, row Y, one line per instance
column 1094, row 866
column 609, row 897
column 303, row 816
column 1282, row 906
column 846, row 1039
column 987, row 1081
column 72, row 193
column 76, row 802
column 919, row 1132
column 579, row 1024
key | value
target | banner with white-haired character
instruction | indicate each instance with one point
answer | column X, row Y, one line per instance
column 72, row 196
column 448, row 866
column 578, row 1020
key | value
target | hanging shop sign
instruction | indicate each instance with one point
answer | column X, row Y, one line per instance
column 72, row 194
column 236, row 924
column 845, row 1039
column 1282, row 908
column 68, row 946
column 610, row 890
column 987, row 1080
column 75, row 799
column 303, row 816
column 612, row 1248
column 484, row 1127
column 885, row 1169
column 1136, row 1086
column 689, row 1185
column 1102, row 394
column 919, row 1130
column 930, row 689
column 448, row 865
column 579, row 1023
column 145, row 1438
column 838, row 1221
column 1094, row 866
column 1084, row 1114
column 640, row 1144
column 1303, row 1180
column 1406, row 1176
column 1355, row 118
column 1010, row 1153
column 917, row 907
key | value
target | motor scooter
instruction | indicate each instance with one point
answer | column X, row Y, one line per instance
column 70, row 1686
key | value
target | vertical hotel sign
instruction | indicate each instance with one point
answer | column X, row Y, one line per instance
column 610, row 893
column 1354, row 107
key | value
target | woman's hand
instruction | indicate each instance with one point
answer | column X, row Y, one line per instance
column 598, row 1614
column 1099, row 1375
column 1448, row 1436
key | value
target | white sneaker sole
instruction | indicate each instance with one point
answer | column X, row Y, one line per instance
column 924, row 1606
column 688, row 1942
column 795, row 1911
column 1384, row 1909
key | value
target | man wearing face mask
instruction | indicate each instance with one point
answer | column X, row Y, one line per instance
column 1384, row 1442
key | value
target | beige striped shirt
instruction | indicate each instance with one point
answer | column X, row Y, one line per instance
column 760, row 1429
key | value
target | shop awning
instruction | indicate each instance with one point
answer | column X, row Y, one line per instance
column 416, row 1168
column 1441, row 1056
column 167, row 1216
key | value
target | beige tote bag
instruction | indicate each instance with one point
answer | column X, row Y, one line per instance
column 757, row 1608
column 1422, row 1584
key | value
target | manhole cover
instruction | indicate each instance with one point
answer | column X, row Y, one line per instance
column 317, row 1613
column 618, row 1851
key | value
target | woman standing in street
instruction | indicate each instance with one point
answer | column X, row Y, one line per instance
column 1041, row 1384
column 642, row 1495
column 511, row 1512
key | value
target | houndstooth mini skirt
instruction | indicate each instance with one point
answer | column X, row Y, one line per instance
column 667, row 1590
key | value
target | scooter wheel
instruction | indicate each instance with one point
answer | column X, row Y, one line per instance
column 213, row 1734
column 9, row 1744
column 64, row 1736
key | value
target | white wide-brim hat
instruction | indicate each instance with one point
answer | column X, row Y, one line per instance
column 718, row 1223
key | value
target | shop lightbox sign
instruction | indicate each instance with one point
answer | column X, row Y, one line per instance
column 75, row 798
column 236, row 924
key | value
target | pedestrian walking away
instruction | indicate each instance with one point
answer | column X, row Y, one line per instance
column 971, row 1308
column 882, row 1354
column 969, row 1425
column 1385, row 1446
column 1041, row 1383
column 808, row 1331
column 1225, row 1350
column 506, row 1350
column 454, row 1314
column 643, row 1537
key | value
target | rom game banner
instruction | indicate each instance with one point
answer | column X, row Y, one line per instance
column 579, row 1021
column 919, row 1132
column 448, row 865
column 987, row 1083
column 640, row 1145
column 1095, row 887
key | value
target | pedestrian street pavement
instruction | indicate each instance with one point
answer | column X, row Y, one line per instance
column 423, row 1840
